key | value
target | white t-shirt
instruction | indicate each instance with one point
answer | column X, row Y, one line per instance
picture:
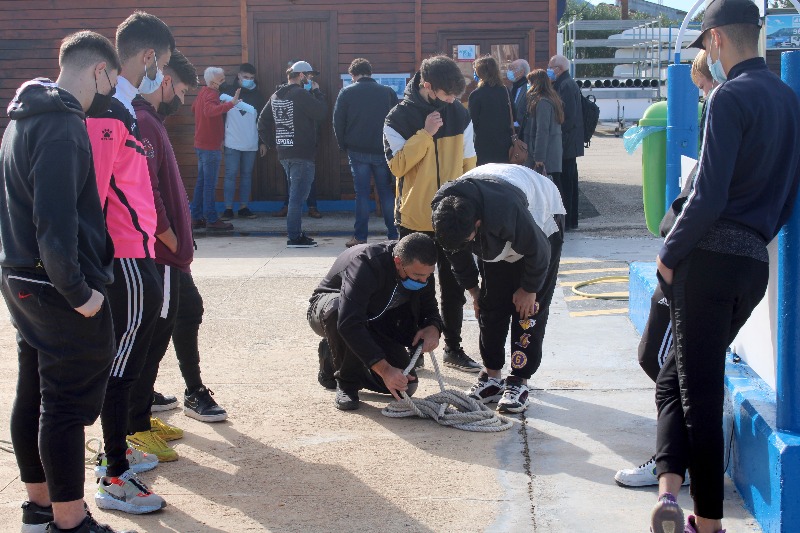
column 241, row 130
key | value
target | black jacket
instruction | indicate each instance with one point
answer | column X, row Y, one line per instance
column 517, row 95
column 289, row 121
column 749, row 165
column 366, row 278
column 503, row 212
column 51, row 220
column 359, row 113
column 572, row 128
column 491, row 113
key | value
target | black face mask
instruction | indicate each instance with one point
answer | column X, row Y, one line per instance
column 100, row 102
column 171, row 108
column 167, row 109
column 437, row 103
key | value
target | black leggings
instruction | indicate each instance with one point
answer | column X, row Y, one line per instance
column 499, row 282
column 64, row 362
column 656, row 341
column 711, row 297
column 452, row 294
column 136, row 297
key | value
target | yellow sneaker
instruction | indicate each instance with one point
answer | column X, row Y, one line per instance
column 150, row 442
column 164, row 430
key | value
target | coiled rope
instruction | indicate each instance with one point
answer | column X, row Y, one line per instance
column 605, row 295
column 450, row 407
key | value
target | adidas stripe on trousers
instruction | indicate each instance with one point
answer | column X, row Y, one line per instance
column 136, row 298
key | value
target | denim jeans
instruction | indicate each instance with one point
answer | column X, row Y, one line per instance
column 301, row 176
column 312, row 196
column 202, row 206
column 364, row 167
column 237, row 161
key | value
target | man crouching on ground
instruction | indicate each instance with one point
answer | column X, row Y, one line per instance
column 375, row 302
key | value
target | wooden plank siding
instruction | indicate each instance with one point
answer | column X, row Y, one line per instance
column 393, row 34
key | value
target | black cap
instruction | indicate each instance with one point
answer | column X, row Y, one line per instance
column 724, row 12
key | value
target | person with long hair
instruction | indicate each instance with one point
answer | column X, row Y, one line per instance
column 543, row 127
column 490, row 109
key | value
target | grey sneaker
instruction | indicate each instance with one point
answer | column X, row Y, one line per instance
column 487, row 389
column 667, row 515
column 127, row 493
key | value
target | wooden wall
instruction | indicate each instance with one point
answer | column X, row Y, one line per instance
column 393, row 34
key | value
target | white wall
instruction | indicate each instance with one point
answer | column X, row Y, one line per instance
column 757, row 340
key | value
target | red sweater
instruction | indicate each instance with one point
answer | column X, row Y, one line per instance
column 209, row 127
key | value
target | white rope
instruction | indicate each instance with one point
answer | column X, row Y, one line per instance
column 450, row 407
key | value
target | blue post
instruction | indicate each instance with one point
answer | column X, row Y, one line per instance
column 681, row 125
column 788, row 372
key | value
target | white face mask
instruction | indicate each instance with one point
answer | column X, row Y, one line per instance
column 148, row 86
column 717, row 72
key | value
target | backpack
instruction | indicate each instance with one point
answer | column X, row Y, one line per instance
column 591, row 116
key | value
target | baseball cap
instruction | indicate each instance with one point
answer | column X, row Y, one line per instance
column 303, row 66
column 724, row 12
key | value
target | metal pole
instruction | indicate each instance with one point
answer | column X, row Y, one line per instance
column 682, row 125
column 788, row 369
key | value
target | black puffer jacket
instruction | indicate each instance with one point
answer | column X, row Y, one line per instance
column 572, row 128
column 503, row 211
column 366, row 279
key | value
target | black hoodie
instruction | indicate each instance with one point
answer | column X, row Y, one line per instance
column 51, row 220
column 289, row 121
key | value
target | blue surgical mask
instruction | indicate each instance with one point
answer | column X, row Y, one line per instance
column 307, row 85
column 717, row 72
column 248, row 84
column 510, row 74
column 475, row 77
column 414, row 285
column 551, row 74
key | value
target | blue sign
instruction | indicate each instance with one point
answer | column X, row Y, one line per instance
column 783, row 32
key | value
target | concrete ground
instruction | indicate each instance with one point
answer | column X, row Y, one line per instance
column 287, row 461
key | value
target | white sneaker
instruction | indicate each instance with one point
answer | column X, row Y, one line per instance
column 127, row 493
column 487, row 389
column 138, row 461
column 515, row 396
column 643, row 475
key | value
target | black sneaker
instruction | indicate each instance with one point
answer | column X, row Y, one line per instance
column 163, row 402
column 303, row 241
column 227, row 215
column 246, row 213
column 456, row 358
column 487, row 389
column 346, row 401
column 35, row 517
column 325, row 374
column 201, row 406
column 89, row 525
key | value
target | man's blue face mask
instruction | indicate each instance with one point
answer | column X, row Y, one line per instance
column 248, row 84
column 412, row 284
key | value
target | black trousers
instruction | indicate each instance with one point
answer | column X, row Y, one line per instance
column 393, row 332
column 568, row 186
column 656, row 341
column 500, row 281
column 176, row 283
column 452, row 294
column 711, row 297
column 64, row 363
column 185, row 334
column 136, row 297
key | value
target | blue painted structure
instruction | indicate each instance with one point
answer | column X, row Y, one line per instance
column 682, row 126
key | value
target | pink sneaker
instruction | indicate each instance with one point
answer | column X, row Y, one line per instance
column 692, row 528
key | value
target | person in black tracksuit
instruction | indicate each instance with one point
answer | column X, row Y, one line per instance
column 714, row 266
column 517, row 237
column 56, row 263
column 375, row 302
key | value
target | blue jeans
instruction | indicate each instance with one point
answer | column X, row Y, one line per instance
column 312, row 196
column 236, row 161
column 202, row 206
column 364, row 167
column 301, row 176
